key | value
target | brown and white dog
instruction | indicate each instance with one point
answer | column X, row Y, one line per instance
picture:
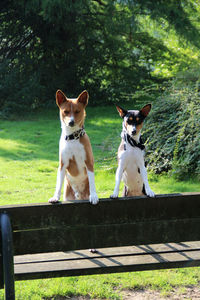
column 76, row 164
column 131, row 168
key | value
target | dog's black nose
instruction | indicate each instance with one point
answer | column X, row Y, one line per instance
column 133, row 131
column 71, row 123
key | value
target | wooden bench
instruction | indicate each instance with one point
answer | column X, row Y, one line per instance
column 130, row 234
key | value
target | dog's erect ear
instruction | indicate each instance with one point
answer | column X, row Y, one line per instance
column 122, row 112
column 145, row 110
column 60, row 97
column 83, row 98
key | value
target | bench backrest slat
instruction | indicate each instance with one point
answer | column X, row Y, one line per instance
column 129, row 221
column 85, row 237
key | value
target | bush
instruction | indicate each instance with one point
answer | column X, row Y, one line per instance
column 172, row 129
column 20, row 90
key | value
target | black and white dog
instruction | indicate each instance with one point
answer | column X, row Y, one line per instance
column 131, row 168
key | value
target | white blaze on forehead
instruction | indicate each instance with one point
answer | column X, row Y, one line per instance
column 133, row 111
column 72, row 113
column 72, row 99
column 69, row 118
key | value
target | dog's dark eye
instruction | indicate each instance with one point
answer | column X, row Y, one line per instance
column 77, row 111
column 130, row 120
column 138, row 121
column 66, row 112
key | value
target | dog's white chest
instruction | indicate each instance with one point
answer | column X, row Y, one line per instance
column 72, row 150
column 133, row 159
column 132, row 156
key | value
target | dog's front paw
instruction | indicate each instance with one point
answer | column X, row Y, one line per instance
column 150, row 193
column 94, row 199
column 114, row 195
column 54, row 200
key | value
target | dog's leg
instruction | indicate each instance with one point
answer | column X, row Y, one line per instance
column 68, row 193
column 118, row 178
column 93, row 198
column 143, row 173
column 59, row 182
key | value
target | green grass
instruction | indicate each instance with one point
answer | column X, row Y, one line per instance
column 29, row 161
column 107, row 286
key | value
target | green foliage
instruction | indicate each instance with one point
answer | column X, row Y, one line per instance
column 18, row 90
column 110, row 48
column 173, row 127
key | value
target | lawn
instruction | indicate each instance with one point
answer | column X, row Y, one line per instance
column 29, row 161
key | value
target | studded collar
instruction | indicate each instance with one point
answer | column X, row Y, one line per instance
column 75, row 135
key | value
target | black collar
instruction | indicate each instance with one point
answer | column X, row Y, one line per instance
column 75, row 135
column 132, row 142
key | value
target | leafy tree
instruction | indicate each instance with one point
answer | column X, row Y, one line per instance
column 98, row 45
